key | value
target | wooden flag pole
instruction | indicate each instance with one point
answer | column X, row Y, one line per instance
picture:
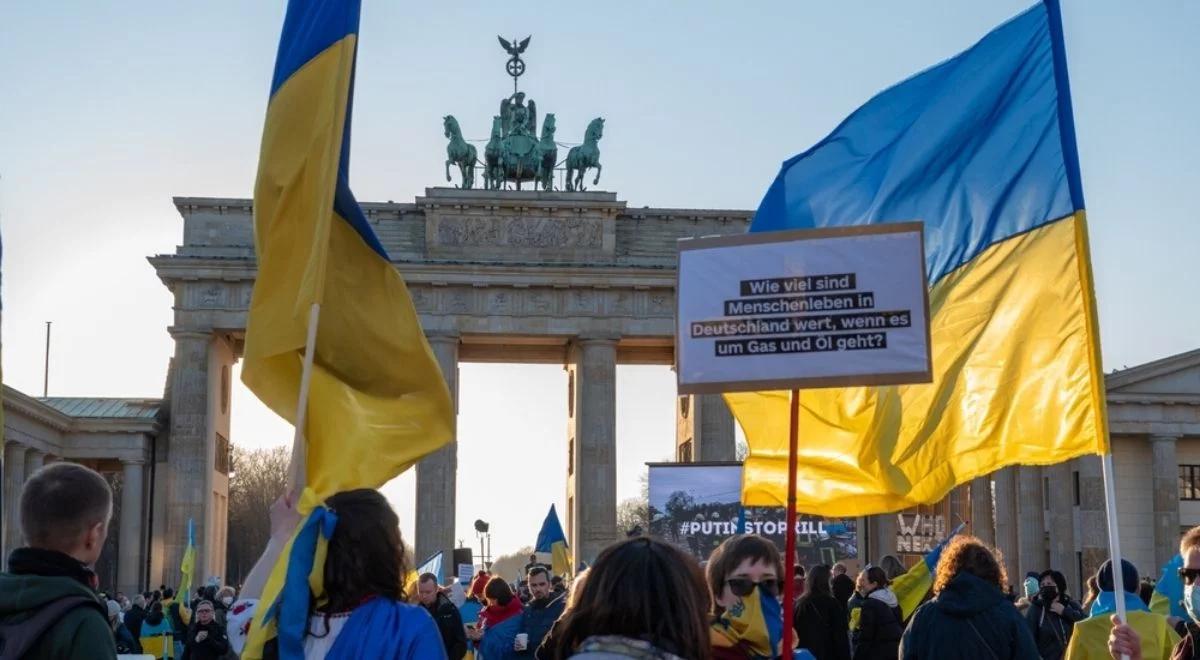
column 297, row 468
column 789, row 566
column 1114, row 537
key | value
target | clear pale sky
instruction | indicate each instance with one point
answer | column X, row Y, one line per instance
column 107, row 110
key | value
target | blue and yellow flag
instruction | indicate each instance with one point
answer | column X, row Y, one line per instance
column 187, row 567
column 1167, row 598
column 981, row 148
column 551, row 539
column 378, row 401
column 911, row 587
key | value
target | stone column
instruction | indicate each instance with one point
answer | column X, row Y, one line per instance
column 1061, row 521
column 1093, row 522
column 1165, row 475
column 187, row 474
column 706, row 422
column 1031, row 521
column 982, row 525
column 883, row 535
column 593, row 372
column 14, row 479
column 130, row 540
column 1005, row 483
column 437, row 473
column 34, row 460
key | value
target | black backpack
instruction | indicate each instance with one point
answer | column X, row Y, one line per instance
column 17, row 638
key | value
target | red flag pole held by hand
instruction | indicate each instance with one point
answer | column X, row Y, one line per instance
column 789, row 567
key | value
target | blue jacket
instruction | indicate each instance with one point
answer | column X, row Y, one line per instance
column 969, row 620
column 497, row 642
column 538, row 619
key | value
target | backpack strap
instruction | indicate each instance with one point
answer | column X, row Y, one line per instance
column 17, row 638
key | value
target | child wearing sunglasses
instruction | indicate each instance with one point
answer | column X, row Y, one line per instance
column 744, row 575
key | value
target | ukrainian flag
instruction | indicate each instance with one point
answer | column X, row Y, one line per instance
column 981, row 148
column 551, row 539
column 911, row 587
column 187, row 567
column 378, row 401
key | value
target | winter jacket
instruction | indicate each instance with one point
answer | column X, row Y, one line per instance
column 450, row 625
column 1187, row 648
column 83, row 632
column 133, row 620
column 969, row 620
column 538, row 619
column 843, row 589
column 125, row 641
column 214, row 646
column 820, row 623
column 879, row 627
column 1052, row 631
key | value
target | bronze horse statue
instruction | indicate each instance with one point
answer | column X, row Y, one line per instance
column 585, row 156
column 458, row 152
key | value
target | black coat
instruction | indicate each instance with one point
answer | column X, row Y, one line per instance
column 969, row 620
column 450, row 625
column 538, row 619
column 214, row 646
column 133, row 620
column 1052, row 631
column 820, row 623
column 879, row 627
column 843, row 588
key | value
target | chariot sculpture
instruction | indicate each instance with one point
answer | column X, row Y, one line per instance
column 515, row 153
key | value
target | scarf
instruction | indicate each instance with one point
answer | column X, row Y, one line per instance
column 51, row 563
column 753, row 623
column 625, row 647
column 496, row 614
column 1106, row 602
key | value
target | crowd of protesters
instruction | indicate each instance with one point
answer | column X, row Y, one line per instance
column 642, row 599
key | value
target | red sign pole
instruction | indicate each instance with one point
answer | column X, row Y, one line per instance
column 789, row 559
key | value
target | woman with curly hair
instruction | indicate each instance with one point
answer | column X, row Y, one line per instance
column 969, row 618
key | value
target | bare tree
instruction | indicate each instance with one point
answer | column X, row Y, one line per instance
column 257, row 477
column 512, row 566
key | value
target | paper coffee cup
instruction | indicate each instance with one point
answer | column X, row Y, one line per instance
column 522, row 640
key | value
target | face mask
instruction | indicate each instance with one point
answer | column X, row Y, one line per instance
column 1049, row 593
column 1191, row 601
column 1031, row 587
column 228, row 600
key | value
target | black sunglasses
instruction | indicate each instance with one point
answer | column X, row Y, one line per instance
column 741, row 587
column 1189, row 575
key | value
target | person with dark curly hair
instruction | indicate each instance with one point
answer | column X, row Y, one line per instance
column 969, row 617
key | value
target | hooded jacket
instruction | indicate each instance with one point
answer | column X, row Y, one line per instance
column 879, row 626
column 82, row 632
column 1051, row 631
column 969, row 620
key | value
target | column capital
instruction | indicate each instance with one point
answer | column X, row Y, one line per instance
column 178, row 333
column 1165, row 437
column 34, row 451
column 443, row 337
column 598, row 338
column 130, row 462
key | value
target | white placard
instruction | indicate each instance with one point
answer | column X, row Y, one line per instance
column 803, row 309
column 465, row 573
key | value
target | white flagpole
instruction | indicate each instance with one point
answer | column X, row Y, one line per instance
column 297, row 469
column 1114, row 536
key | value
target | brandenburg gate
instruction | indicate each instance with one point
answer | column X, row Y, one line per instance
column 571, row 278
